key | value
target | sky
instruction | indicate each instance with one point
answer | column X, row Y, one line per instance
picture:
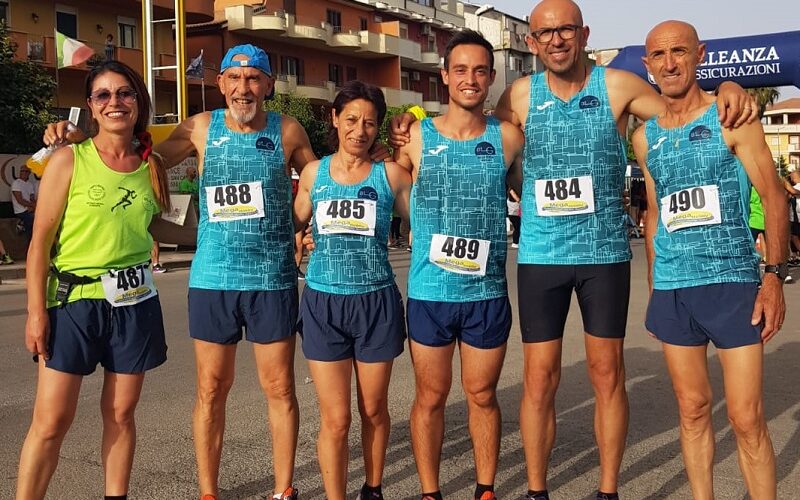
column 617, row 23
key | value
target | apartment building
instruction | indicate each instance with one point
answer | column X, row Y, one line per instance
column 32, row 24
column 506, row 33
column 782, row 130
column 315, row 46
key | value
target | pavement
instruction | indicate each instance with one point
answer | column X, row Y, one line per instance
column 164, row 466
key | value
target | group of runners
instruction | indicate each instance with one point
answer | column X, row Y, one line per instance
column 557, row 138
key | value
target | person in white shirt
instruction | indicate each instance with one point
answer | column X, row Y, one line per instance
column 24, row 200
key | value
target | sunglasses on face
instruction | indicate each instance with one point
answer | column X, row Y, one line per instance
column 565, row 32
column 103, row 96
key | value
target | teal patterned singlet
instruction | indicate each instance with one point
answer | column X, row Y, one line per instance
column 565, row 141
column 681, row 161
column 460, row 191
column 245, row 254
column 347, row 263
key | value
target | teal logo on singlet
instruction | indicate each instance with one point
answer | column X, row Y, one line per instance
column 265, row 144
column 700, row 133
column 485, row 149
column 589, row 102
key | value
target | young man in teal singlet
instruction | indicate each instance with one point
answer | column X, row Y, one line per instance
column 457, row 290
column 704, row 275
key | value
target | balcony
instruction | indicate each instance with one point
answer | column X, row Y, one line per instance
column 287, row 84
column 409, row 50
column 350, row 39
column 380, row 44
column 432, row 107
column 398, row 97
column 431, row 59
column 514, row 41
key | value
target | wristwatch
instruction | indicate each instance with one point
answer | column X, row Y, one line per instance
column 782, row 270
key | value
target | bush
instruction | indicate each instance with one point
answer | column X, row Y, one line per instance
column 300, row 108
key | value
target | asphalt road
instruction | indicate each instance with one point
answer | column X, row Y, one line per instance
column 164, row 466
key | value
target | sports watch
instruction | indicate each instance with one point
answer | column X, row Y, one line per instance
column 782, row 270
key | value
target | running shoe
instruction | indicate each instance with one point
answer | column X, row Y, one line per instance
column 487, row 495
column 607, row 496
column 290, row 494
column 158, row 269
column 6, row 259
column 539, row 496
column 208, row 497
column 374, row 495
column 788, row 279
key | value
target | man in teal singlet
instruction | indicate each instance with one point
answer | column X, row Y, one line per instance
column 457, row 281
column 703, row 268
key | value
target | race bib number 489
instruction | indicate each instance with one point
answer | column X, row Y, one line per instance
column 234, row 202
column 459, row 255
column 697, row 206
column 346, row 217
column 125, row 287
column 571, row 196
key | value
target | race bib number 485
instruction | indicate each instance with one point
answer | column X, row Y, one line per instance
column 346, row 217
column 697, row 206
column 125, row 287
column 570, row 196
column 234, row 202
column 459, row 255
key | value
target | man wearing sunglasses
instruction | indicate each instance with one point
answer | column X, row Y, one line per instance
column 573, row 236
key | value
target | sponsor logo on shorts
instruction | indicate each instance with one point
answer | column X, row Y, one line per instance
column 485, row 149
column 589, row 102
column 265, row 144
column 234, row 211
column 700, row 133
column 565, row 206
column 345, row 225
column 458, row 264
column 367, row 193
column 690, row 217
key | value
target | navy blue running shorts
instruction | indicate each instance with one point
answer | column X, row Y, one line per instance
column 483, row 324
column 219, row 316
column 125, row 340
column 368, row 327
column 692, row 316
column 545, row 294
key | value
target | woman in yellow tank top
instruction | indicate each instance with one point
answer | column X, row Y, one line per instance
column 95, row 301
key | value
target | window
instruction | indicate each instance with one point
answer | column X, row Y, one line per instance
column 426, row 3
column 364, row 25
column 775, row 140
column 127, row 32
column 67, row 21
column 292, row 66
column 335, row 74
column 351, row 73
column 794, row 139
column 404, row 31
column 4, row 11
column 433, row 88
column 405, row 81
column 335, row 19
column 430, row 45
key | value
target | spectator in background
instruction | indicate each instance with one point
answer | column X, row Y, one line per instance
column 155, row 254
column 4, row 257
column 23, row 200
column 513, row 215
column 188, row 184
column 394, row 229
column 110, row 47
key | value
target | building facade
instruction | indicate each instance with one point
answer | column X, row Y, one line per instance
column 782, row 130
column 506, row 33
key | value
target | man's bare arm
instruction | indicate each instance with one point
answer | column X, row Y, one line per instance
column 296, row 144
column 514, row 93
column 639, row 141
column 187, row 138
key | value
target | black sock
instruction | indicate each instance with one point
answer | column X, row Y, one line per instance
column 368, row 491
column 607, row 496
column 436, row 495
column 480, row 489
column 539, row 494
column 116, row 497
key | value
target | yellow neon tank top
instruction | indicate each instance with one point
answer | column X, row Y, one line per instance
column 105, row 222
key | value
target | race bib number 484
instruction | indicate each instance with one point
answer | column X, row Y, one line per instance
column 459, row 255
column 697, row 206
column 234, row 202
column 125, row 287
column 346, row 217
column 570, row 196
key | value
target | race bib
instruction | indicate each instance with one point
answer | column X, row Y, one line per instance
column 697, row 206
column 125, row 287
column 459, row 255
column 234, row 202
column 346, row 217
column 571, row 196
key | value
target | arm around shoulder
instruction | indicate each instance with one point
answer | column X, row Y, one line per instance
column 189, row 136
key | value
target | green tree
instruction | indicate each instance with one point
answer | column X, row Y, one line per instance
column 782, row 167
column 300, row 109
column 764, row 97
column 26, row 94
column 391, row 111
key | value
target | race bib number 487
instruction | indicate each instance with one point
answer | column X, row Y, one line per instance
column 234, row 202
column 570, row 196
column 459, row 255
column 125, row 287
column 346, row 217
column 697, row 206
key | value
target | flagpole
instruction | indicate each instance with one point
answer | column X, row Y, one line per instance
column 202, row 81
column 55, row 46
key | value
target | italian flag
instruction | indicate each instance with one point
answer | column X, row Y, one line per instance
column 71, row 52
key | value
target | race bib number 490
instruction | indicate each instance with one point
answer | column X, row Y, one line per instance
column 459, row 255
column 125, row 287
column 697, row 206
column 346, row 217
column 571, row 196
column 234, row 202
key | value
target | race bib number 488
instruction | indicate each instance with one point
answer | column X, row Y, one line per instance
column 571, row 196
column 459, row 255
column 697, row 206
column 234, row 202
